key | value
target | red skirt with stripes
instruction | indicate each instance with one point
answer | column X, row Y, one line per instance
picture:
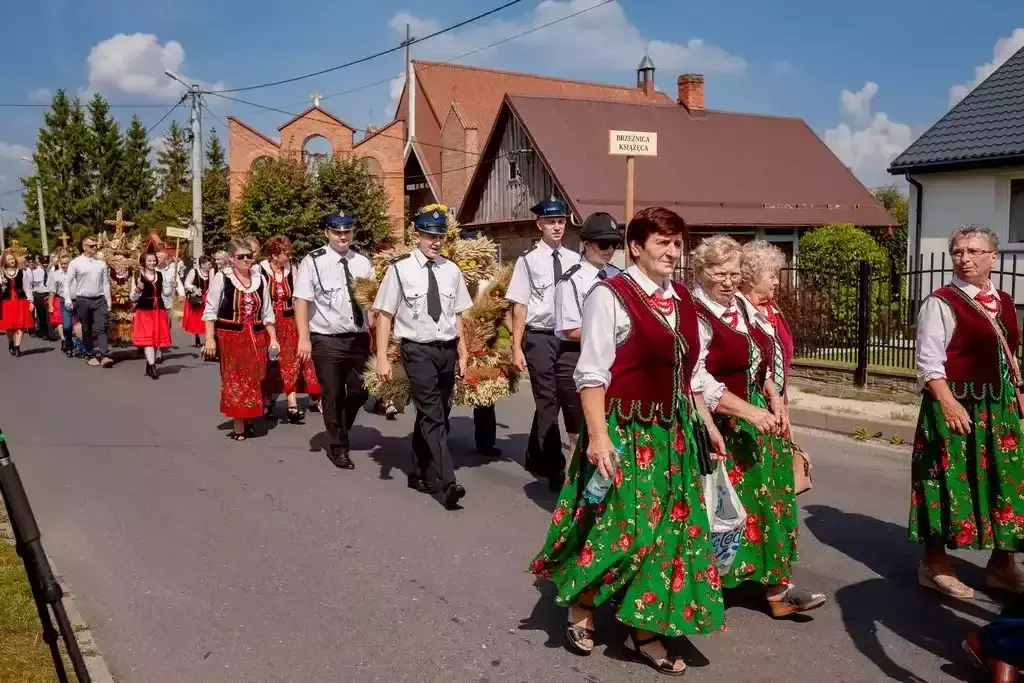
column 150, row 328
column 56, row 311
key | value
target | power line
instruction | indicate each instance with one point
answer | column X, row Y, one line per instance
column 164, row 118
column 112, row 106
column 361, row 60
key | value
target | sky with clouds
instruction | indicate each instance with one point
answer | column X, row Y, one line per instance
column 868, row 79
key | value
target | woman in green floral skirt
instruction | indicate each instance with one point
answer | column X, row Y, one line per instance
column 649, row 539
column 758, row 446
column 967, row 470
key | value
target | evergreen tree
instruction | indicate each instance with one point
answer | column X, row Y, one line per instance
column 215, row 197
column 136, row 184
column 173, row 160
column 895, row 240
column 105, row 161
column 62, row 166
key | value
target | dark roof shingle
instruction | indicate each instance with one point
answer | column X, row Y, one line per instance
column 986, row 126
column 713, row 168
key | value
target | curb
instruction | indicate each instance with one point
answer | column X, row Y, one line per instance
column 842, row 424
column 95, row 664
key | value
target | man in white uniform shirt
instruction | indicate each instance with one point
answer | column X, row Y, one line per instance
column 534, row 345
column 333, row 329
column 37, row 291
column 600, row 237
column 424, row 295
column 87, row 292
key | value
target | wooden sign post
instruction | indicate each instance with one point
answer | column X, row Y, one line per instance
column 631, row 144
column 178, row 234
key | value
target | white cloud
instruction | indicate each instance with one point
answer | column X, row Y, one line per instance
column 857, row 105
column 14, row 152
column 40, row 96
column 602, row 38
column 1003, row 50
column 135, row 64
column 866, row 143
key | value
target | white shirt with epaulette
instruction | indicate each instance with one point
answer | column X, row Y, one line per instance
column 572, row 290
column 320, row 280
column 403, row 295
column 533, row 283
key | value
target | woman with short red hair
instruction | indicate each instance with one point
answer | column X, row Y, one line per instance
column 646, row 439
column 288, row 374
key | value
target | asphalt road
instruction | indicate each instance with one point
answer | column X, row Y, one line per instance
column 195, row 558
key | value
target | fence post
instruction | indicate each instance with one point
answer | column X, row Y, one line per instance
column 860, row 375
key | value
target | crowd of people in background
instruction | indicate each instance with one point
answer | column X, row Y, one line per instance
column 660, row 386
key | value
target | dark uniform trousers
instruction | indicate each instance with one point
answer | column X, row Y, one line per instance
column 544, row 449
column 431, row 370
column 485, row 427
column 565, row 385
column 340, row 360
column 42, row 314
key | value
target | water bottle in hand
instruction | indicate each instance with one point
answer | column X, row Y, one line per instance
column 597, row 487
column 274, row 353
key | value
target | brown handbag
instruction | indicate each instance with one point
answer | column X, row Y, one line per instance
column 802, row 480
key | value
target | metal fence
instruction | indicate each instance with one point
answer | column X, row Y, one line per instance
column 857, row 317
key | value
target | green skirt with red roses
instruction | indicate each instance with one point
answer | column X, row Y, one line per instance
column 649, row 539
column 968, row 491
column 760, row 468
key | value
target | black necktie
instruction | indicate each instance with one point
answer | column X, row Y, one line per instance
column 557, row 265
column 601, row 275
column 433, row 295
column 357, row 312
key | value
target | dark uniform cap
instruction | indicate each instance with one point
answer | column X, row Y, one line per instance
column 600, row 226
column 550, row 208
column 432, row 222
column 338, row 221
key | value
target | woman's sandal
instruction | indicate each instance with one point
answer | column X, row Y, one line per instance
column 667, row 666
column 795, row 600
column 947, row 584
column 579, row 639
column 235, row 436
column 295, row 416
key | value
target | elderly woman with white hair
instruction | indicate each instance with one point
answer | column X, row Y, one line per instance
column 966, row 472
column 748, row 409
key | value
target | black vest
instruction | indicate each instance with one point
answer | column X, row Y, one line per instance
column 229, row 314
column 15, row 286
column 199, row 282
column 152, row 295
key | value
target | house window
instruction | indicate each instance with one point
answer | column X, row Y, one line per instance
column 513, row 171
column 1017, row 210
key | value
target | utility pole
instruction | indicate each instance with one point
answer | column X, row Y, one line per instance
column 3, row 245
column 195, row 94
column 42, row 216
column 410, row 87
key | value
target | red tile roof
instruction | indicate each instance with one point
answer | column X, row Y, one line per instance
column 479, row 93
column 713, row 168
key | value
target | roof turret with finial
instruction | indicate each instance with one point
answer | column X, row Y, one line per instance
column 645, row 75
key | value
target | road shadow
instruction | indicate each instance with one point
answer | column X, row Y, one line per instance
column 37, row 350
column 261, row 427
column 896, row 602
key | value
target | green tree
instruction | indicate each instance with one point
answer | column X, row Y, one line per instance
column 172, row 160
column 106, row 157
column 279, row 199
column 136, row 182
column 345, row 184
column 62, row 166
column 895, row 240
column 215, row 196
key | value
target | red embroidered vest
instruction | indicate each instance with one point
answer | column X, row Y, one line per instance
column 654, row 365
column 784, row 336
column 729, row 353
column 974, row 353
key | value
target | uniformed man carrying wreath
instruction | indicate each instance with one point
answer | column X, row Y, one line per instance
column 424, row 294
column 333, row 329
column 600, row 237
column 534, row 345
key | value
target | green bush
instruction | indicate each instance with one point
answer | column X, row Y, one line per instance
column 829, row 262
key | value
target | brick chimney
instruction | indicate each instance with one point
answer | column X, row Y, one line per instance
column 691, row 92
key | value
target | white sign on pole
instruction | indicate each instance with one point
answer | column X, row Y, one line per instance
column 177, row 233
column 632, row 143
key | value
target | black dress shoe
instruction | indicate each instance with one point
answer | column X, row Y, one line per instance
column 339, row 457
column 453, row 493
column 421, row 485
column 489, row 451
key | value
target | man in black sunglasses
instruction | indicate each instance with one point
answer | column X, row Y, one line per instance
column 600, row 237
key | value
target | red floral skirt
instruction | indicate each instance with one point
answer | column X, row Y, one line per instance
column 16, row 315
column 243, row 365
column 192, row 318
column 56, row 311
column 150, row 328
column 288, row 374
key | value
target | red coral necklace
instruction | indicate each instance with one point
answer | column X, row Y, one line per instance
column 662, row 305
